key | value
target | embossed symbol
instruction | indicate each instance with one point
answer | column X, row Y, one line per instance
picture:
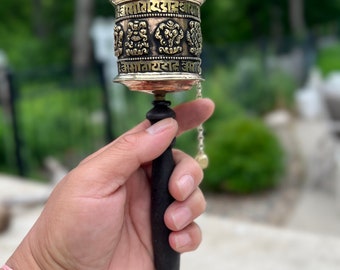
column 137, row 43
column 118, row 37
column 194, row 38
column 170, row 35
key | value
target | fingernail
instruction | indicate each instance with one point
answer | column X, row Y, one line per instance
column 186, row 185
column 160, row 126
column 182, row 240
column 181, row 217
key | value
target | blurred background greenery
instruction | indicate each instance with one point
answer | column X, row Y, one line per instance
column 250, row 69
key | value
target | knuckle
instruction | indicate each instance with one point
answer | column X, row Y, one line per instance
column 127, row 142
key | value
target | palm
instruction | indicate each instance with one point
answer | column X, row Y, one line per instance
column 135, row 244
column 129, row 243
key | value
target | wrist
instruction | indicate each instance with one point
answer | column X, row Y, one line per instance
column 22, row 258
column 6, row 267
column 34, row 255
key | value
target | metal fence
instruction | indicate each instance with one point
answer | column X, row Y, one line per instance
column 44, row 113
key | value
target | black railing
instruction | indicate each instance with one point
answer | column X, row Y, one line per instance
column 32, row 98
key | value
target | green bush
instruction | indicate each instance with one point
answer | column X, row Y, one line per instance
column 245, row 157
column 258, row 90
column 329, row 59
column 58, row 122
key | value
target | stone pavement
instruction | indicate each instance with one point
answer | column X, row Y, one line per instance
column 318, row 208
column 309, row 238
column 234, row 245
column 228, row 243
column 22, row 217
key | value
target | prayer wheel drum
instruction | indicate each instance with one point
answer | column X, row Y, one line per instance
column 158, row 44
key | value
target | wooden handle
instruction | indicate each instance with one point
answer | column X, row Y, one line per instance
column 165, row 258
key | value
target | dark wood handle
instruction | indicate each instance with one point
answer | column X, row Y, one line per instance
column 165, row 258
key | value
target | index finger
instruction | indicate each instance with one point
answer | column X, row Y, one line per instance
column 191, row 114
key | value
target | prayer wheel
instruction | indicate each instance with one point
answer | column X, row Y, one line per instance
column 158, row 44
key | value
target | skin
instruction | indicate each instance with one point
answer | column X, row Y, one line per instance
column 98, row 216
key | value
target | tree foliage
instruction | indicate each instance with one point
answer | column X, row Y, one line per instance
column 242, row 20
column 39, row 32
column 228, row 20
column 321, row 12
column 36, row 32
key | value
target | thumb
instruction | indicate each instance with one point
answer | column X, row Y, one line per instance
column 113, row 166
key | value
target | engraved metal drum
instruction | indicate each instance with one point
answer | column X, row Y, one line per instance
column 158, row 44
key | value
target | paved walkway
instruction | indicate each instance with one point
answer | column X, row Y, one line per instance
column 23, row 217
column 234, row 245
column 228, row 244
column 318, row 208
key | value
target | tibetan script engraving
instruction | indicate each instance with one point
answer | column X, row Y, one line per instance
column 159, row 66
column 151, row 66
column 191, row 67
column 158, row 6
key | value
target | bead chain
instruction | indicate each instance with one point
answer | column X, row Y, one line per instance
column 201, row 157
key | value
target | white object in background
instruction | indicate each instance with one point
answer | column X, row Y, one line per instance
column 308, row 99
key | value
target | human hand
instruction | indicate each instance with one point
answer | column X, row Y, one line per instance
column 98, row 216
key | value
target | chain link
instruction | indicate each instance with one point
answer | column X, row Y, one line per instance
column 200, row 128
column 201, row 157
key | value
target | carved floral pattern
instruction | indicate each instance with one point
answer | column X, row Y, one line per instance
column 194, row 38
column 170, row 35
column 118, row 38
column 137, row 43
